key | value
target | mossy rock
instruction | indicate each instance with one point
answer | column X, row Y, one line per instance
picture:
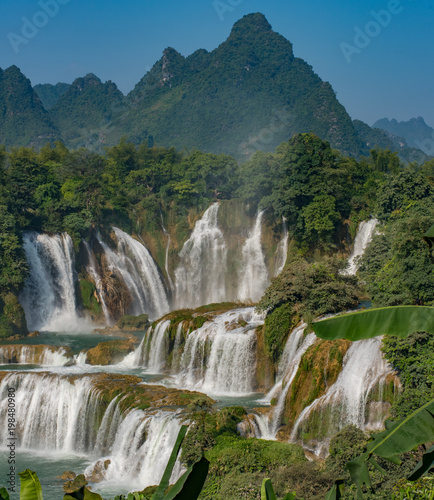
column 133, row 323
column 12, row 317
column 319, row 368
column 109, row 353
column 89, row 298
column 75, row 484
column 278, row 326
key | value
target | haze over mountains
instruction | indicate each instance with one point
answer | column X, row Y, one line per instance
column 249, row 93
column 415, row 131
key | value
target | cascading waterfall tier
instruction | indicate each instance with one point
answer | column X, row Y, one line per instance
column 217, row 358
column 363, row 237
column 253, row 277
column 44, row 355
column 265, row 426
column 92, row 269
column 140, row 449
column 282, row 249
column 48, row 297
column 349, row 400
column 133, row 263
column 70, row 415
column 200, row 275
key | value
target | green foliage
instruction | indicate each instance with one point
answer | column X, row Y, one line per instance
column 399, row 437
column 400, row 321
column 267, row 492
column 398, row 265
column 4, row 495
column 425, row 465
column 12, row 317
column 344, row 446
column 30, row 486
column 164, row 483
column 401, row 190
column 413, row 358
column 278, row 325
column 311, row 289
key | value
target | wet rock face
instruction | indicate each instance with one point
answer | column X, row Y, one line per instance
column 99, row 471
column 108, row 353
column 75, row 484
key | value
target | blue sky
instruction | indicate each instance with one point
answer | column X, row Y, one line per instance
column 387, row 71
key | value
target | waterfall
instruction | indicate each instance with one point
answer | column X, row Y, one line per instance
column 217, row 358
column 345, row 402
column 155, row 349
column 253, row 277
column 200, row 275
column 52, row 413
column 141, row 449
column 61, row 414
column 135, row 265
column 296, row 346
column 282, row 249
column 220, row 358
column 93, row 272
column 166, row 262
column 364, row 235
column 34, row 355
column 48, row 297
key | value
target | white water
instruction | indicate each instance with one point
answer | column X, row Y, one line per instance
column 60, row 415
column 363, row 237
column 219, row 358
column 48, row 297
column 296, row 346
column 253, row 277
column 93, row 272
column 166, row 262
column 282, row 249
column 137, row 462
column 135, row 265
column 346, row 400
column 31, row 355
column 200, row 275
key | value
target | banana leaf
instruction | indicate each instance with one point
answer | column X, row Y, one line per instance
column 399, row 437
column 190, row 484
column 399, row 320
column 336, row 492
column 30, row 486
column 164, row 483
column 4, row 495
column 290, row 496
column 424, row 466
column 267, row 492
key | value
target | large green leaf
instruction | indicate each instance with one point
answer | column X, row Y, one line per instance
column 399, row 320
column 164, row 483
column 190, row 484
column 399, row 437
column 425, row 465
column 267, row 492
column 336, row 492
column 4, row 495
column 30, row 486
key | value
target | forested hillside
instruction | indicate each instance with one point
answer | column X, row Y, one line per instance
column 249, row 94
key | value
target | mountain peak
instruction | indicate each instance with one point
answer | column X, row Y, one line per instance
column 251, row 23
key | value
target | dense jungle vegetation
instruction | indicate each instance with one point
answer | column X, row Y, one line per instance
column 322, row 194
